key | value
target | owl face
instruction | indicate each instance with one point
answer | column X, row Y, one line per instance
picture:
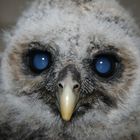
column 75, row 62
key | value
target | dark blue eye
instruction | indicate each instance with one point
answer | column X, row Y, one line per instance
column 105, row 65
column 39, row 61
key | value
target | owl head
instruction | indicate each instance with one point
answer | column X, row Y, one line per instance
column 77, row 57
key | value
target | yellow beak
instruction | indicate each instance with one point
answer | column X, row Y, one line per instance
column 67, row 102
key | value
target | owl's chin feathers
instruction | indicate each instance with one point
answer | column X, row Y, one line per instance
column 33, row 119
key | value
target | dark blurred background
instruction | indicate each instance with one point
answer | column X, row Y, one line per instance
column 10, row 10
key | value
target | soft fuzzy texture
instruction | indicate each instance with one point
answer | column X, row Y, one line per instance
column 73, row 31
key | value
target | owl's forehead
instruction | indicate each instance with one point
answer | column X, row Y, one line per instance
column 72, row 28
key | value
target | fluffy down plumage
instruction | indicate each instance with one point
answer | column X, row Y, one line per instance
column 74, row 32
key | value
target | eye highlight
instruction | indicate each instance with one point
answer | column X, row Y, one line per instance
column 105, row 65
column 39, row 60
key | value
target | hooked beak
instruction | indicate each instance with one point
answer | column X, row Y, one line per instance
column 68, row 97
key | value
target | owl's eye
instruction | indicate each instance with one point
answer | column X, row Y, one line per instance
column 39, row 60
column 105, row 65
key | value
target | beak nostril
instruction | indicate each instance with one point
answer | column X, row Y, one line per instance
column 60, row 85
column 76, row 86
